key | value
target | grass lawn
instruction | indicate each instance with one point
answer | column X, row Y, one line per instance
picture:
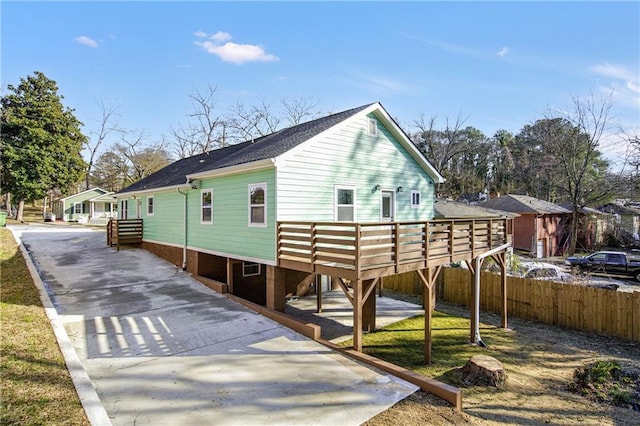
column 402, row 344
column 36, row 387
column 539, row 359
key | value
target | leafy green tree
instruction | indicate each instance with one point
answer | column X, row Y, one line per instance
column 41, row 141
column 109, row 172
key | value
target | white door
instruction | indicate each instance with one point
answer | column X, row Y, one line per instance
column 387, row 206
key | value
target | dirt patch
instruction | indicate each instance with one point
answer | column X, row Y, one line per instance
column 540, row 363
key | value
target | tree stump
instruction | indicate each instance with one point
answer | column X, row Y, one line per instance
column 483, row 370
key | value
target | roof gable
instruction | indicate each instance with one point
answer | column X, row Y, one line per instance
column 524, row 204
column 96, row 190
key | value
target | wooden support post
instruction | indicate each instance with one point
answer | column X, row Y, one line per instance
column 472, row 302
column 275, row 288
column 357, row 316
column 501, row 259
column 230, row 275
column 369, row 305
column 318, row 293
column 428, row 278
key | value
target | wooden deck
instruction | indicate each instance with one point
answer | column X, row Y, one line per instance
column 360, row 251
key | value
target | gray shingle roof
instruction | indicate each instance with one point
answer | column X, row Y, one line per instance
column 619, row 209
column 524, row 204
column 263, row 148
column 447, row 209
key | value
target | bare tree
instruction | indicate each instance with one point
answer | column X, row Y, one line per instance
column 298, row 110
column 254, row 121
column 141, row 159
column 577, row 151
column 106, row 125
column 204, row 130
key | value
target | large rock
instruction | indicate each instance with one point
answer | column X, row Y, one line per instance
column 483, row 370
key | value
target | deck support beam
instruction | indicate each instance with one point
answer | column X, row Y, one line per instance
column 364, row 309
column 275, row 288
column 501, row 259
column 428, row 279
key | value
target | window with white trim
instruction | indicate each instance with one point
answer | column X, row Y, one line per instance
column 250, row 269
column 77, row 208
column 258, row 204
column 150, row 205
column 345, row 204
column 372, row 127
column 415, row 199
column 206, row 206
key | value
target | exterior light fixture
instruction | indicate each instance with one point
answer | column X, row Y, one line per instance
column 399, row 189
column 376, row 188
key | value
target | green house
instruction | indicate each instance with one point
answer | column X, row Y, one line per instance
column 341, row 201
column 94, row 205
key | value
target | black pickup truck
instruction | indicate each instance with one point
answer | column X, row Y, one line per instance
column 607, row 262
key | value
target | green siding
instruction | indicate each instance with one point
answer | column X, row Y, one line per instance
column 349, row 156
column 230, row 232
column 166, row 224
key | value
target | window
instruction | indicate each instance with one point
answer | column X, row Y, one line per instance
column 77, row 208
column 415, row 199
column 250, row 269
column 258, row 204
column 345, row 204
column 372, row 128
column 150, row 205
column 206, row 206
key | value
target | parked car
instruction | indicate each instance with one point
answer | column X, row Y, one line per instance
column 607, row 262
column 542, row 270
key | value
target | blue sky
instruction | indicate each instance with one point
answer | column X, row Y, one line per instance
column 501, row 64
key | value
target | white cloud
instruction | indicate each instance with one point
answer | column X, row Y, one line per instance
column 86, row 41
column 221, row 37
column 624, row 83
column 616, row 72
column 502, row 52
column 233, row 52
column 200, row 34
column 378, row 84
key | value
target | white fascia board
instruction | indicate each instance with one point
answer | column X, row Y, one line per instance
column 152, row 191
column 240, row 168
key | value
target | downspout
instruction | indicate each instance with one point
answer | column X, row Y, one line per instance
column 184, row 242
column 476, row 302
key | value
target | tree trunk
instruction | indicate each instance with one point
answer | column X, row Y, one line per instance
column 573, row 229
column 20, row 211
column 9, row 204
column 44, row 207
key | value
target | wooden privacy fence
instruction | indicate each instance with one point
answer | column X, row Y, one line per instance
column 124, row 231
column 591, row 309
column 369, row 250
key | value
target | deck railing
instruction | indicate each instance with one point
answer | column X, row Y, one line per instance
column 369, row 250
column 124, row 231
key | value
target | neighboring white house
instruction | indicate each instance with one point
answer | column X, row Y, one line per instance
column 94, row 206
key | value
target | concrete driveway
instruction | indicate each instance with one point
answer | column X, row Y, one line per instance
column 160, row 348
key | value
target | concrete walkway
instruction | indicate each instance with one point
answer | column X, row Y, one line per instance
column 336, row 318
column 160, row 348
